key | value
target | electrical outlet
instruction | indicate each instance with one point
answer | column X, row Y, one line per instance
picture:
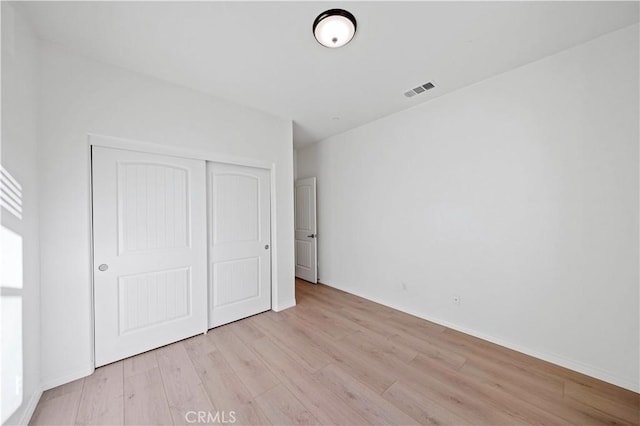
column 456, row 299
column 404, row 286
column 18, row 385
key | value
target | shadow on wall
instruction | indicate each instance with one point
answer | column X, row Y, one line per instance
column 11, row 273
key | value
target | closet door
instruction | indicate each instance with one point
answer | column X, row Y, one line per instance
column 239, row 242
column 150, row 251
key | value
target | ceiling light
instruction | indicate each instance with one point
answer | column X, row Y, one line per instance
column 334, row 28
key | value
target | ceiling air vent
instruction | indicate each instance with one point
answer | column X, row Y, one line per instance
column 419, row 89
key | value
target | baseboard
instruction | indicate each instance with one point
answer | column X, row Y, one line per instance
column 577, row 366
column 29, row 408
column 67, row 377
column 283, row 306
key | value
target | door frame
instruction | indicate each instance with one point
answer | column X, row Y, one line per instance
column 157, row 148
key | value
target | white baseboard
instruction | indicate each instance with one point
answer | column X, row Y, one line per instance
column 30, row 405
column 577, row 366
column 29, row 408
column 67, row 377
column 283, row 306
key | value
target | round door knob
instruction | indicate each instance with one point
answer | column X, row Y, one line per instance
column 103, row 267
column 266, row 247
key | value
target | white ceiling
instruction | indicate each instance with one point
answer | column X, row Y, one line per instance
column 263, row 54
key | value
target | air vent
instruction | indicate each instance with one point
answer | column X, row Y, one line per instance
column 419, row 89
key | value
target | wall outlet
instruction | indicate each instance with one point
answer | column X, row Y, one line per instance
column 404, row 286
column 18, row 385
column 456, row 299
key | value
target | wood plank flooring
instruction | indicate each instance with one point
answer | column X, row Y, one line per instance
column 336, row 359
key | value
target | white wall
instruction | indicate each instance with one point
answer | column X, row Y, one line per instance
column 519, row 193
column 19, row 276
column 81, row 96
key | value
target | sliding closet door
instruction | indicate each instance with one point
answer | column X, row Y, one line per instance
column 239, row 242
column 150, row 251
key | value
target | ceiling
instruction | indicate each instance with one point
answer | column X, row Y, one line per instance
column 263, row 54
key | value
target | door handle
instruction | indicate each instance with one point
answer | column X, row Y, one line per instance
column 311, row 236
column 103, row 267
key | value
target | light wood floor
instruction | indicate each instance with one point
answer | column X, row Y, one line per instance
column 337, row 359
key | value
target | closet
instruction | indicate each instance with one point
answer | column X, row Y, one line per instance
column 180, row 245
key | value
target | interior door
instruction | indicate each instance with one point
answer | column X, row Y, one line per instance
column 150, row 251
column 239, row 242
column 306, row 238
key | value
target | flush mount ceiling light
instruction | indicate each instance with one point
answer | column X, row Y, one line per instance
column 334, row 28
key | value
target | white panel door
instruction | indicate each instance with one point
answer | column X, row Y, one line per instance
column 150, row 251
column 239, row 242
column 306, row 242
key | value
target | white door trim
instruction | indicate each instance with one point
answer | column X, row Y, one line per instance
column 156, row 148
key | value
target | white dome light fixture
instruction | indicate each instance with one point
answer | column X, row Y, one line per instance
column 334, row 28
